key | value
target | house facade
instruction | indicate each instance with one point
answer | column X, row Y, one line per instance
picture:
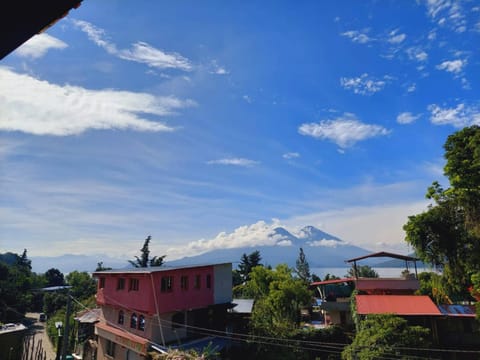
column 159, row 307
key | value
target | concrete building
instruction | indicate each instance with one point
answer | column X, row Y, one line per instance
column 158, row 307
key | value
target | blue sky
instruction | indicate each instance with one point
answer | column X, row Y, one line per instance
column 207, row 125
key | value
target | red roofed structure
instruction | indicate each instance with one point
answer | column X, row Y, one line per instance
column 405, row 305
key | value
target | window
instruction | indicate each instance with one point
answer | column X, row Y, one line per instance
column 209, row 281
column 121, row 284
column 196, row 285
column 134, row 285
column 133, row 321
column 167, row 284
column 121, row 317
column 184, row 282
column 101, row 284
column 110, row 348
column 141, row 323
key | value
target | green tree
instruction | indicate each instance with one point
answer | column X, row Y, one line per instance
column 54, row 277
column 247, row 263
column 383, row 336
column 362, row 271
column 82, row 285
column 448, row 233
column 279, row 296
column 144, row 260
column 302, row 268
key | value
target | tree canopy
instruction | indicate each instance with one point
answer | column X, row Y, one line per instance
column 362, row 271
column 447, row 234
column 302, row 268
column 383, row 336
column 144, row 260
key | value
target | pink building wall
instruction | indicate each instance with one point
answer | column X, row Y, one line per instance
column 149, row 294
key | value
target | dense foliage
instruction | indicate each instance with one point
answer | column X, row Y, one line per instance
column 447, row 235
column 386, row 336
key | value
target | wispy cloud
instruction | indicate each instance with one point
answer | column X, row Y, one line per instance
column 453, row 66
column 39, row 45
column 416, row 53
column 344, row 131
column 234, row 161
column 39, row 107
column 218, row 70
column 447, row 13
column 395, row 37
column 407, row 118
column 291, row 155
column 459, row 116
column 140, row 52
column 363, row 84
column 357, row 36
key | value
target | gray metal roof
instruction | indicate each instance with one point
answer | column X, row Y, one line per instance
column 243, row 306
column 149, row 270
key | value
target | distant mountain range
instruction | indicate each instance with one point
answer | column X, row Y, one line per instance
column 321, row 250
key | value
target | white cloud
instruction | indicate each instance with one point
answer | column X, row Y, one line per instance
column 258, row 234
column 412, row 87
column 140, row 52
column 38, row 46
column 327, row 243
column 291, row 155
column 447, row 13
column 458, row 117
column 217, row 69
column 395, row 38
column 417, row 53
column 247, row 98
column 344, row 131
column 357, row 36
column 234, row 162
column 363, row 85
column 41, row 108
column 453, row 66
column 407, row 118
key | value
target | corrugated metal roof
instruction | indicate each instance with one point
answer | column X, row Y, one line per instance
column 89, row 316
column 457, row 310
column 153, row 269
column 396, row 304
column 243, row 306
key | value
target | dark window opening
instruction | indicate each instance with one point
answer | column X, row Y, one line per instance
column 184, row 282
column 209, row 281
column 141, row 323
column 134, row 285
column 196, row 285
column 167, row 284
column 121, row 317
column 121, row 284
column 133, row 321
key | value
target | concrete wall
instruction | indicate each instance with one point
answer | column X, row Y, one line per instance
column 222, row 283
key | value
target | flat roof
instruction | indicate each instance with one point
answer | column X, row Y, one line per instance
column 333, row 281
column 456, row 310
column 396, row 304
column 153, row 269
column 383, row 254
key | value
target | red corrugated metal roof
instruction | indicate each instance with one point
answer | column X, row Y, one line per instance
column 122, row 337
column 396, row 304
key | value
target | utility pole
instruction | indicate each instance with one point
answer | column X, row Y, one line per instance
column 66, row 333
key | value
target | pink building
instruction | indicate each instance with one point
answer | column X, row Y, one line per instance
column 159, row 306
